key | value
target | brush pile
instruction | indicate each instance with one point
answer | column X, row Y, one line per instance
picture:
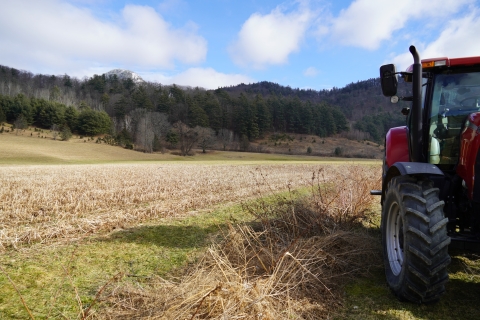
column 290, row 263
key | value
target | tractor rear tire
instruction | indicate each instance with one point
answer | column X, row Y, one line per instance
column 415, row 241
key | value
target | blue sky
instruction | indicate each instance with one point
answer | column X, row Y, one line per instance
column 316, row 44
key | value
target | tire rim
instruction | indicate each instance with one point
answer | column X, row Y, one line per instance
column 395, row 239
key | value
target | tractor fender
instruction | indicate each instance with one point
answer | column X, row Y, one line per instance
column 396, row 146
column 409, row 169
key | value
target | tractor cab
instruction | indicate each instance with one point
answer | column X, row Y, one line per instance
column 430, row 197
column 454, row 96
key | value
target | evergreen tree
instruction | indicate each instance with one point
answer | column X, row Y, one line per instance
column 164, row 103
column 248, row 125
column 67, row 81
column 97, row 83
column 263, row 114
column 178, row 94
column 324, row 123
column 3, row 117
column 196, row 115
column 293, row 120
column 306, row 118
column 20, row 105
column 114, row 84
column 49, row 113
column 128, row 84
column 5, row 103
column 227, row 107
column 140, row 99
column 120, row 107
column 71, row 117
column 91, row 122
column 213, row 110
column 105, row 100
column 276, row 107
column 341, row 123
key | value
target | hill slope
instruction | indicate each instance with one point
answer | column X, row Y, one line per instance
column 30, row 147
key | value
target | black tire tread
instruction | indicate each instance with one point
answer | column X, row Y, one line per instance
column 426, row 258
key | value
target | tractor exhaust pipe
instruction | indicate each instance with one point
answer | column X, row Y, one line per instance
column 416, row 133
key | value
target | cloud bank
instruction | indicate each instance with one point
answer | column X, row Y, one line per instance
column 269, row 39
column 58, row 35
column 454, row 41
column 206, row 78
column 366, row 23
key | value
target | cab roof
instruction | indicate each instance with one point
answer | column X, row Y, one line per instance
column 447, row 62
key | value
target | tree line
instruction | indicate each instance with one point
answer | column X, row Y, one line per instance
column 23, row 111
column 146, row 114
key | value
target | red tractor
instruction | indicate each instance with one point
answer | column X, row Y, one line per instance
column 430, row 200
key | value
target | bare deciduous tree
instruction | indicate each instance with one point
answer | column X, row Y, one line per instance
column 160, row 127
column 225, row 137
column 160, row 124
column 206, row 137
column 145, row 126
column 187, row 137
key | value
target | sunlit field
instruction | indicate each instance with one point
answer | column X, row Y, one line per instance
column 23, row 149
column 91, row 231
column 204, row 239
column 50, row 203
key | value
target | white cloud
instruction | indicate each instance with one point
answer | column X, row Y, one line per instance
column 206, row 78
column 454, row 41
column 310, row 72
column 270, row 39
column 366, row 23
column 58, row 37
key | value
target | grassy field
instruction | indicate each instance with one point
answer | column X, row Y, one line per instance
column 29, row 148
column 67, row 231
column 90, row 231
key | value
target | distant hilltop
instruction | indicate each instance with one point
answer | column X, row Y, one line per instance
column 125, row 74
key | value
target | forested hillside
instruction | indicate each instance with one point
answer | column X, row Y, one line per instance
column 148, row 115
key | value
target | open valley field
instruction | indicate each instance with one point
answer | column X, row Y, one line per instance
column 92, row 231
column 65, row 230
column 29, row 148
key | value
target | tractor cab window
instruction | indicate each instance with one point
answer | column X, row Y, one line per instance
column 455, row 96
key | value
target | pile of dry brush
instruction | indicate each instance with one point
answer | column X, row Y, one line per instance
column 291, row 263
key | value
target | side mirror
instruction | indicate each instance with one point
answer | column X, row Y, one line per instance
column 389, row 80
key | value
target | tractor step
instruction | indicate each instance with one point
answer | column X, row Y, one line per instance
column 376, row 192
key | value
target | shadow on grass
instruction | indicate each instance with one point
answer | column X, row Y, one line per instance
column 370, row 298
column 168, row 236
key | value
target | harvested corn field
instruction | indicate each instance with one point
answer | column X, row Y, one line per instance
column 52, row 203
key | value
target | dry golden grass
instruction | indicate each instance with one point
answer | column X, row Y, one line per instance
column 26, row 149
column 23, row 149
column 51, row 203
column 291, row 264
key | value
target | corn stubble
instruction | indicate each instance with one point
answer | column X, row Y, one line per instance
column 45, row 204
column 290, row 263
